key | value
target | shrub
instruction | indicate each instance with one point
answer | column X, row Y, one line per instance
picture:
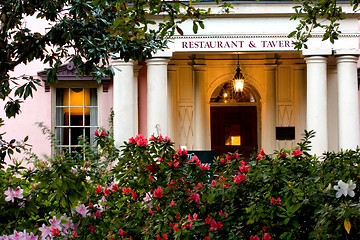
column 155, row 192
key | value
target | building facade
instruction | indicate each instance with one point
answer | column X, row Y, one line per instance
column 188, row 91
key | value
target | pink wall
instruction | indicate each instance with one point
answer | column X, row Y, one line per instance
column 142, row 90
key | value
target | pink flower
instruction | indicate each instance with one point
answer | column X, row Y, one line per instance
column 259, row 157
column 141, row 141
column 158, row 193
column 106, row 192
column 18, row 193
column 274, row 202
column 172, row 203
column 195, row 159
column 45, row 231
column 82, row 210
column 267, row 236
column 173, row 163
column 228, row 157
column 195, row 197
column 207, row 238
column 222, row 160
column 9, row 195
column 256, row 237
column 297, row 152
column 166, row 139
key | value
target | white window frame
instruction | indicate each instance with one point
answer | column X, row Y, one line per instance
column 73, row 84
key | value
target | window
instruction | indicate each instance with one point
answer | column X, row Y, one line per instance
column 76, row 116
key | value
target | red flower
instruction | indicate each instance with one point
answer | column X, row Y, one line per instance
column 274, row 202
column 121, row 232
column 264, row 228
column 126, row 190
column 106, row 192
column 55, row 231
column 102, row 133
column 297, row 152
column 215, row 225
column 259, row 157
column 177, row 215
column 158, row 193
column 239, row 178
column 141, row 141
column 173, row 163
column 115, row 188
column 222, row 160
column 172, row 203
column 90, row 205
column 228, row 157
column 151, row 211
column 165, row 237
column 152, row 138
column 244, row 168
column 267, row 236
column 213, row 183
column 74, row 235
column 158, row 237
column 236, row 155
column 92, row 229
column 208, row 220
column 98, row 189
column 283, row 154
column 96, row 133
column 158, row 207
column 206, row 238
column 133, row 194
column 262, row 152
column 256, row 237
column 195, row 197
column 167, row 139
column 180, row 152
column 204, row 167
column 131, row 140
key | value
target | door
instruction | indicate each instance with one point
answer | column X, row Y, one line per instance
column 234, row 129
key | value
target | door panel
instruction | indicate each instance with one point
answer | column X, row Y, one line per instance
column 234, row 128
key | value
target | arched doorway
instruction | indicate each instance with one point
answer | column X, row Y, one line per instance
column 234, row 120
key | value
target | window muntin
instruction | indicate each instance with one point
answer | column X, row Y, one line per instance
column 76, row 115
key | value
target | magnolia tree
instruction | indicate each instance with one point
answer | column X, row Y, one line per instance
column 157, row 192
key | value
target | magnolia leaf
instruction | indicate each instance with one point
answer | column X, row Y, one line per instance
column 347, row 225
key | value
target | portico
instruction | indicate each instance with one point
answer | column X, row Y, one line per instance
column 313, row 89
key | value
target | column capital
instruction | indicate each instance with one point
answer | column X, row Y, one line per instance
column 347, row 58
column 121, row 62
column 316, row 59
column 157, row 61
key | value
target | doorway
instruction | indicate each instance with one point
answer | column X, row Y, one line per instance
column 234, row 129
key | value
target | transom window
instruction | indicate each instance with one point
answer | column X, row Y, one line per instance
column 76, row 116
column 225, row 93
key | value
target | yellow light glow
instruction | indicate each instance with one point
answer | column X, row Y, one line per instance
column 239, row 85
column 76, row 100
column 225, row 95
column 233, row 141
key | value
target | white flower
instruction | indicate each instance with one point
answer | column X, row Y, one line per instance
column 351, row 188
column 345, row 189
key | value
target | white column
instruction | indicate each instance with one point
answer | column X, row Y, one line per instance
column 268, row 142
column 201, row 105
column 348, row 103
column 157, row 112
column 124, row 101
column 316, row 103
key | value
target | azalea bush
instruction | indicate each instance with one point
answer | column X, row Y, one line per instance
column 149, row 190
